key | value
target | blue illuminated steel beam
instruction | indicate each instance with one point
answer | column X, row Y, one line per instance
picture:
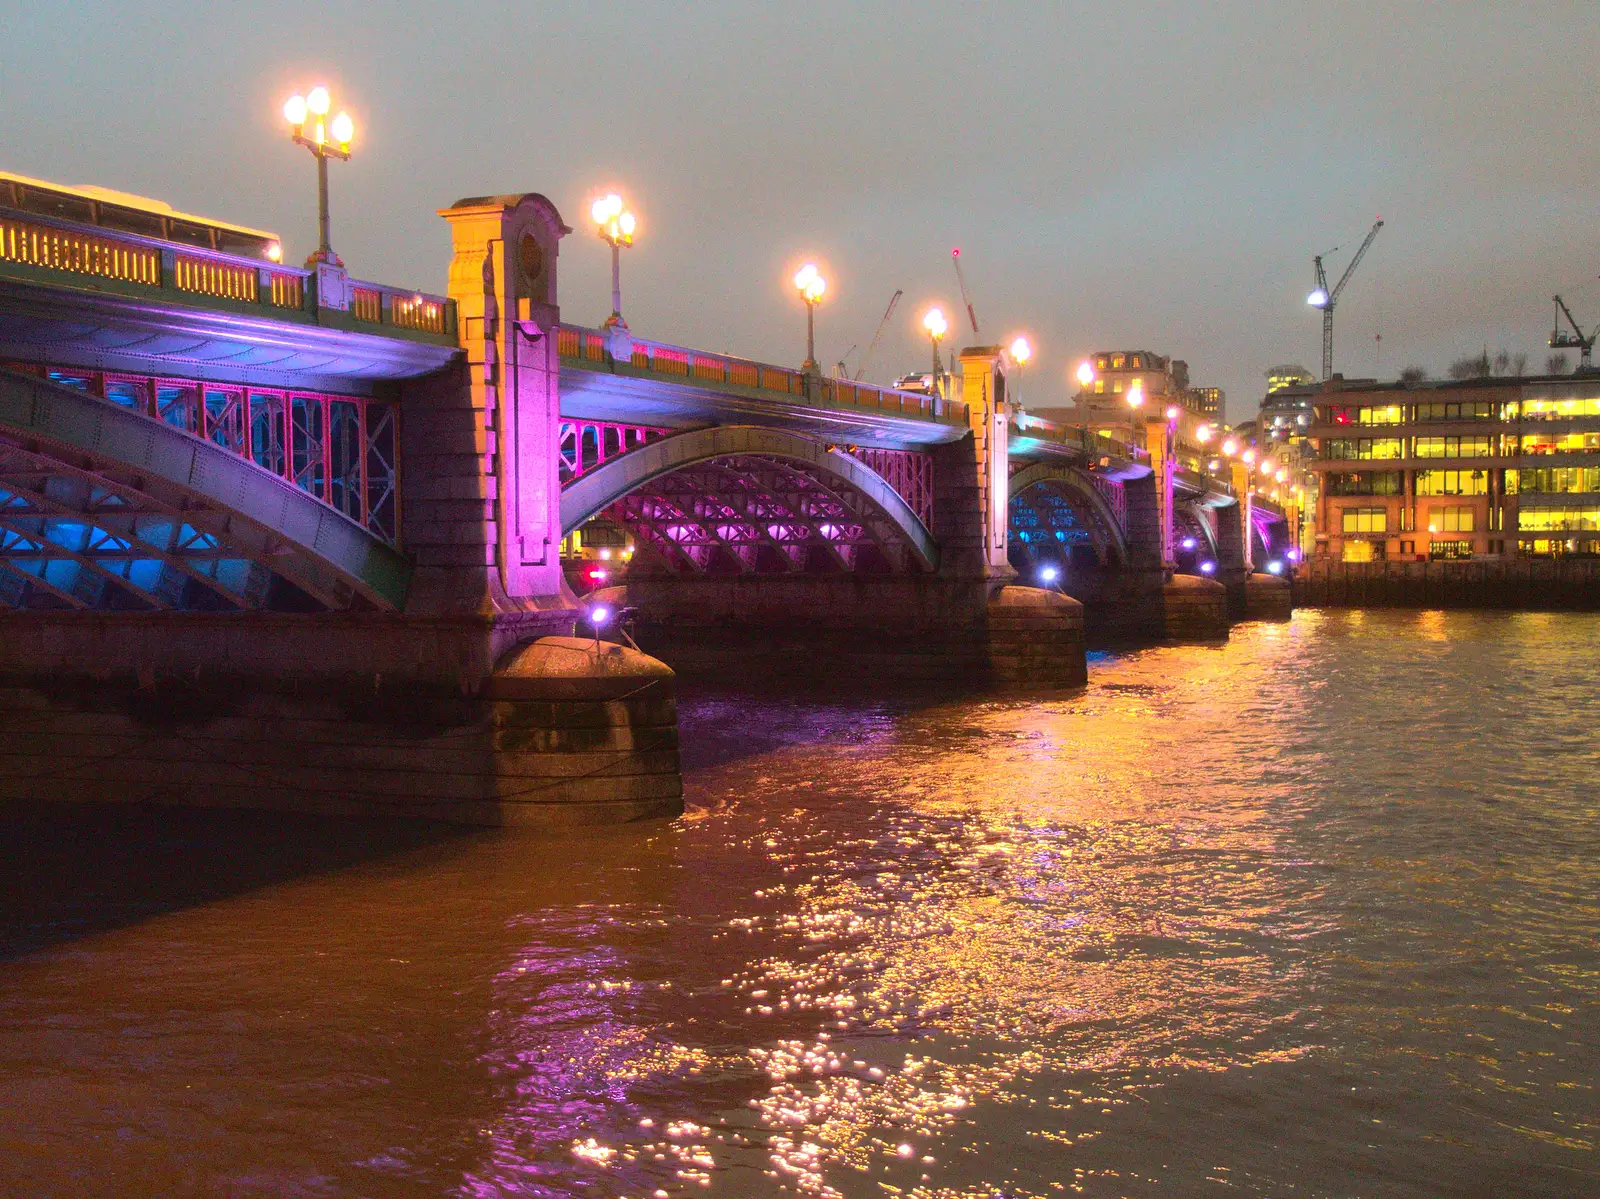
column 269, row 519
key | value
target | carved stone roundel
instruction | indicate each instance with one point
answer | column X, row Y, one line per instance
column 532, row 257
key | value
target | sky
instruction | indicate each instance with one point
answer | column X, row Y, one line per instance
column 1137, row 175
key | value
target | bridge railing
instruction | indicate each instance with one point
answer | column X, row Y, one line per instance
column 50, row 249
column 697, row 366
column 1090, row 444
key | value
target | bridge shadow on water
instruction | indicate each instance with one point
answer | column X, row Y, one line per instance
column 69, row 870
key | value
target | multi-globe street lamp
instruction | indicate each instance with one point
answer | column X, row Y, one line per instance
column 615, row 225
column 1021, row 352
column 934, row 322
column 810, row 283
column 1135, row 398
column 327, row 139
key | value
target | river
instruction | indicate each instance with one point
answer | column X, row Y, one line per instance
column 1316, row 912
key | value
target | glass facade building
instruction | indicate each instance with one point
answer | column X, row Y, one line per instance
column 1489, row 467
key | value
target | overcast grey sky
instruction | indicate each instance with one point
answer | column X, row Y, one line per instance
column 1131, row 175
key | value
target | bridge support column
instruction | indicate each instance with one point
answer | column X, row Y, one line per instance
column 1032, row 637
column 1252, row 594
column 1168, row 605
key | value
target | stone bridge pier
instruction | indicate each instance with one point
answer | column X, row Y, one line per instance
column 1244, row 545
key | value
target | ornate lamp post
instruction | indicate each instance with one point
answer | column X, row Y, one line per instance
column 810, row 283
column 1135, row 399
column 1021, row 352
column 615, row 225
column 933, row 321
column 327, row 139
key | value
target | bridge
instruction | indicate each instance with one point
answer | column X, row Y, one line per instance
column 216, row 467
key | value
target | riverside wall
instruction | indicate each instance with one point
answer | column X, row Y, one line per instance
column 1533, row 584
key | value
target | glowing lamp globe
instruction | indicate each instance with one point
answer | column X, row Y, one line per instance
column 317, row 100
column 1085, row 373
column 294, row 110
column 1021, row 351
column 933, row 321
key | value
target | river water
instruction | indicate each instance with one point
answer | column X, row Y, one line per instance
column 1315, row 913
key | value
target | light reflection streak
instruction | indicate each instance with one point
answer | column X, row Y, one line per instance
column 954, row 935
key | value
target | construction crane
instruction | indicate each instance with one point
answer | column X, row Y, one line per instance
column 1324, row 299
column 1560, row 339
column 873, row 345
column 972, row 315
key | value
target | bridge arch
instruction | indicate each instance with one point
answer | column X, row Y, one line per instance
column 1078, row 488
column 1195, row 518
column 834, row 480
column 103, row 507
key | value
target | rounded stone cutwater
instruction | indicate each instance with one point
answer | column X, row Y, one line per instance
column 1036, row 638
column 1268, row 597
column 1194, row 609
column 583, row 732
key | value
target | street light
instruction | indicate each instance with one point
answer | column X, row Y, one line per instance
column 327, row 139
column 1135, row 398
column 615, row 226
column 1086, row 374
column 933, row 321
column 811, row 285
column 1021, row 351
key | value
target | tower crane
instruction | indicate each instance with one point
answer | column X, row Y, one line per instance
column 972, row 315
column 1560, row 339
column 1324, row 299
column 887, row 312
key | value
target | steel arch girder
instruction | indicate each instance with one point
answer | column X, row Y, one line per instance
column 248, row 541
column 1198, row 510
column 270, row 519
column 1082, row 488
column 596, row 490
column 108, row 519
column 788, row 489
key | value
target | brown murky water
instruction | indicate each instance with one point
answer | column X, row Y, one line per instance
column 1315, row 913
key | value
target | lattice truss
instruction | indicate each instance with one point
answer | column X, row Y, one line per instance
column 1048, row 518
column 1115, row 494
column 751, row 513
column 586, row 444
column 72, row 537
column 909, row 472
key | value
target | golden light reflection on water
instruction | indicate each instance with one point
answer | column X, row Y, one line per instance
column 1314, row 906
column 979, row 937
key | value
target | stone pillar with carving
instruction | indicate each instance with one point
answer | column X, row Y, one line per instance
column 503, row 279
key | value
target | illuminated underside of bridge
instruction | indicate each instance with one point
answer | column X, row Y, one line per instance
column 103, row 508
